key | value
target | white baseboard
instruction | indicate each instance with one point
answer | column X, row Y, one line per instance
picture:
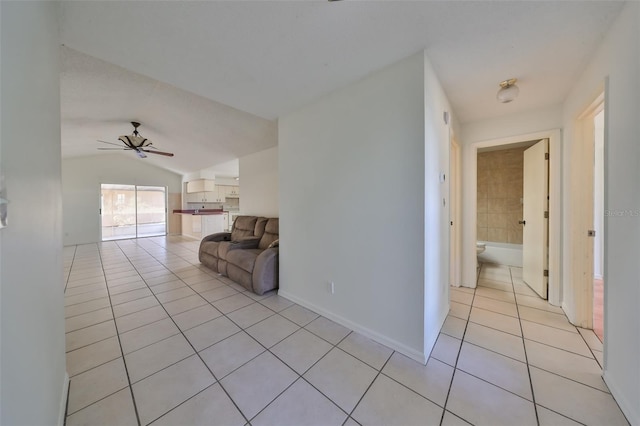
column 63, row 400
column 390, row 343
column 628, row 409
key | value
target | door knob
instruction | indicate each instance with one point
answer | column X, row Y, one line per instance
column 522, row 222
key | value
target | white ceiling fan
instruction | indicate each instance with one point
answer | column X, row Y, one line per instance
column 135, row 142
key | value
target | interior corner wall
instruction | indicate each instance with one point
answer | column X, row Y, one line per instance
column 81, row 179
column 436, row 215
column 259, row 183
column 616, row 64
column 32, row 367
column 352, row 206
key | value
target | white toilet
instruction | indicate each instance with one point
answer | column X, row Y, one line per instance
column 480, row 247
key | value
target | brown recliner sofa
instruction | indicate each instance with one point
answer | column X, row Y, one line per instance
column 248, row 254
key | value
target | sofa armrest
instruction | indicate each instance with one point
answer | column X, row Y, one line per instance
column 265, row 271
column 220, row 236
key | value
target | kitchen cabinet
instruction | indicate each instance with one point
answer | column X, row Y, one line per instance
column 201, row 185
column 201, row 197
column 199, row 226
column 219, row 195
column 233, row 191
column 212, row 224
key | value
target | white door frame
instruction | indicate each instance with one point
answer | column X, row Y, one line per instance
column 580, row 311
column 469, row 219
column 455, row 215
column 535, row 232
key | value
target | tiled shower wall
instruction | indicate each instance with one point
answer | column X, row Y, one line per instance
column 500, row 175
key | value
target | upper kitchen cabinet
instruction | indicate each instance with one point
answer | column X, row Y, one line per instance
column 232, row 191
column 201, row 185
column 201, row 197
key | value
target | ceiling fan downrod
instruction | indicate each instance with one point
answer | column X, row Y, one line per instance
column 135, row 125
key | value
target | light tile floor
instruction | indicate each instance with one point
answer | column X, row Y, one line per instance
column 155, row 338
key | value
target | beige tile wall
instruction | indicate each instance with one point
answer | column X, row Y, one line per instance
column 500, row 195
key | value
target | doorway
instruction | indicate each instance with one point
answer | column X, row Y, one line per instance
column 598, row 226
column 455, row 198
column 132, row 211
column 470, row 193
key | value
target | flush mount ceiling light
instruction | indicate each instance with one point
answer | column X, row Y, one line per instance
column 508, row 91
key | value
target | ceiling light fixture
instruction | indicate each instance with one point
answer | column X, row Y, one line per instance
column 508, row 91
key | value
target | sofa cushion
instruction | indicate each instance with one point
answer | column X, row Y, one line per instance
column 244, row 226
column 225, row 247
column 244, row 259
column 271, row 233
column 258, row 231
column 210, row 247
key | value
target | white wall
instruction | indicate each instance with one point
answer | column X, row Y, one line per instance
column 512, row 124
column 618, row 60
column 352, row 206
column 32, row 367
column 81, row 179
column 436, row 205
column 259, row 183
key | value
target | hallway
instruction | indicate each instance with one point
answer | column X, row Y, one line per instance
column 152, row 337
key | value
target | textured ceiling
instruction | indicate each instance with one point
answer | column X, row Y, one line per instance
column 270, row 57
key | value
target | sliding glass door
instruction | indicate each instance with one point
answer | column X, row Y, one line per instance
column 130, row 211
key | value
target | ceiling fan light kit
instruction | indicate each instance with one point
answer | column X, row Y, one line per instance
column 508, row 91
column 135, row 142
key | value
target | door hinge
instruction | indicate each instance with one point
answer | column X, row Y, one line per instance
column 546, row 155
column 546, row 215
column 545, row 273
column 99, row 211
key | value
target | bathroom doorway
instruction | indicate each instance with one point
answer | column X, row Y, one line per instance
column 472, row 232
column 500, row 203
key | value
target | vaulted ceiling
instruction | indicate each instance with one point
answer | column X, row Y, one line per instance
column 208, row 79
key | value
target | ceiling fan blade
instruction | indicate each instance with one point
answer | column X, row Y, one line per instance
column 114, row 149
column 110, row 143
column 166, row 154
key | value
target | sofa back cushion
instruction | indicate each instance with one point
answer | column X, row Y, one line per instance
column 261, row 223
column 243, row 226
column 271, row 233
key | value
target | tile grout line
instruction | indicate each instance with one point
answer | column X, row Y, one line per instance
column 195, row 353
column 122, row 356
column 73, row 258
column 242, row 329
column 126, row 369
column 455, row 367
column 533, row 395
column 370, row 384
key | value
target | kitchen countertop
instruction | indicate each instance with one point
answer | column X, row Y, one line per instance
column 200, row 212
